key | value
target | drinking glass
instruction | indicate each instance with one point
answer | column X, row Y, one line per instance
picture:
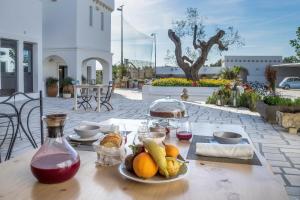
column 142, row 131
column 184, row 130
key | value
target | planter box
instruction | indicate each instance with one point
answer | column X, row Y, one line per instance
column 151, row 93
column 291, row 121
column 269, row 112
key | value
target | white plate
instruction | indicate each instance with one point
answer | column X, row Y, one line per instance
column 77, row 138
column 154, row 180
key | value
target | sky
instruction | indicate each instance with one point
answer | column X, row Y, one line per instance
column 266, row 26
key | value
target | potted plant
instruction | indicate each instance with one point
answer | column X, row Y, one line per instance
column 52, row 87
column 268, row 107
column 67, row 84
column 66, row 93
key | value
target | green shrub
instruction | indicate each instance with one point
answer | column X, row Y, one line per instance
column 213, row 82
column 67, row 81
column 281, row 101
column 230, row 73
column 248, row 99
column 278, row 101
column 50, row 81
column 165, row 82
column 212, row 99
column 224, row 94
column 177, row 82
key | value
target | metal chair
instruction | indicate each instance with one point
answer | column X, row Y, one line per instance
column 10, row 123
column 84, row 99
column 105, row 101
column 17, row 113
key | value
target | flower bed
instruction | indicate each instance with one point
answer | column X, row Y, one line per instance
column 182, row 82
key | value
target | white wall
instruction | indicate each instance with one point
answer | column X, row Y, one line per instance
column 68, row 34
column 59, row 24
column 22, row 21
column 92, row 36
column 50, row 70
column 254, row 64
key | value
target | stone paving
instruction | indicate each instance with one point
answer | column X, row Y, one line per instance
column 281, row 149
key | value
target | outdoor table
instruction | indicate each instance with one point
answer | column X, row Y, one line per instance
column 88, row 86
column 205, row 180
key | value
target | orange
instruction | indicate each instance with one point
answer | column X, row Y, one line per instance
column 144, row 166
column 171, row 151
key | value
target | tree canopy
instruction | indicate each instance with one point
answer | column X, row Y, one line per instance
column 296, row 44
column 192, row 59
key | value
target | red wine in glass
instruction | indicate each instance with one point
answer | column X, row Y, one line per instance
column 184, row 135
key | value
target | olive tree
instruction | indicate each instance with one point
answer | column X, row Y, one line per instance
column 194, row 58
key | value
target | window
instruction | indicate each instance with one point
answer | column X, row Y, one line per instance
column 28, row 67
column 91, row 15
column 102, row 21
column 27, row 60
column 8, row 65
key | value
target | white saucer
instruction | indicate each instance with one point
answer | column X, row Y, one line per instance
column 77, row 138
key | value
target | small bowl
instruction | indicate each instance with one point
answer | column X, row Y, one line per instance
column 158, row 137
column 86, row 131
column 227, row 137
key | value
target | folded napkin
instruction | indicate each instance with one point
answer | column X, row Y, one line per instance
column 239, row 151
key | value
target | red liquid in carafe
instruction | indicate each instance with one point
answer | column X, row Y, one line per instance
column 184, row 135
column 55, row 168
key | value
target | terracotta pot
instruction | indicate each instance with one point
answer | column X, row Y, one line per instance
column 52, row 90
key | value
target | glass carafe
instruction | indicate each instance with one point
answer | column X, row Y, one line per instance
column 56, row 161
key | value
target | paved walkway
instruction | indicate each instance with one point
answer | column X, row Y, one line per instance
column 280, row 149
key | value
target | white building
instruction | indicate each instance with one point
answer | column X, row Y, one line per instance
column 253, row 67
column 53, row 38
column 170, row 71
column 20, row 46
column 77, row 36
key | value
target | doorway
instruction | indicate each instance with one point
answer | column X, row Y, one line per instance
column 63, row 73
column 28, row 68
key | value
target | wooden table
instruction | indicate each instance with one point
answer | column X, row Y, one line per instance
column 205, row 180
column 87, row 86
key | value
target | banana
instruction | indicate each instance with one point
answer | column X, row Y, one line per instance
column 158, row 153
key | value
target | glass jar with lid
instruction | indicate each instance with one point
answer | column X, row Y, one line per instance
column 167, row 108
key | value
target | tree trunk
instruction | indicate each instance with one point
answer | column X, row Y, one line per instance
column 191, row 68
column 188, row 74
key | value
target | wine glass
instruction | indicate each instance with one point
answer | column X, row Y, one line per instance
column 184, row 130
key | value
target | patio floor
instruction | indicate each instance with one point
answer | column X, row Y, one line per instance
column 282, row 150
